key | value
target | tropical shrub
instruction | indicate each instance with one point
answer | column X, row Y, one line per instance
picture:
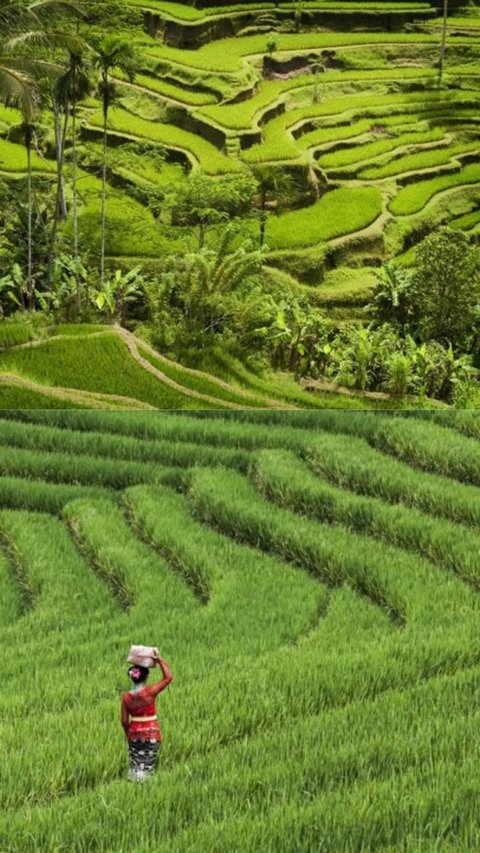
column 392, row 299
column 202, row 201
column 446, row 285
column 198, row 293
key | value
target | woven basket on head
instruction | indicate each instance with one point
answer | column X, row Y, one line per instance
column 142, row 655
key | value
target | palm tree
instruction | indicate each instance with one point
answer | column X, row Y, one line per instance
column 200, row 284
column 112, row 52
column 270, row 181
column 19, row 89
column 72, row 85
column 393, row 297
column 28, row 28
column 80, row 88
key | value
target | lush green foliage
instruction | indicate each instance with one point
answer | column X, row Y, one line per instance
column 446, row 284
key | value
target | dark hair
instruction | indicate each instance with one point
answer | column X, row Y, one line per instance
column 141, row 675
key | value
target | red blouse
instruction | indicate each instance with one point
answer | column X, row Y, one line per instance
column 141, row 703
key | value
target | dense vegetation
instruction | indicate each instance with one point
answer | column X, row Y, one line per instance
column 311, row 578
column 234, row 179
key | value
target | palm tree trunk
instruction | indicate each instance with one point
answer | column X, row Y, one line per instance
column 28, row 145
column 441, row 59
column 74, row 166
column 74, row 180
column 263, row 218
column 60, row 204
column 78, row 300
column 104, row 188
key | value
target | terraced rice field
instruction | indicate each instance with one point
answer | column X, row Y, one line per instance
column 312, row 580
column 378, row 148
column 106, row 367
column 374, row 118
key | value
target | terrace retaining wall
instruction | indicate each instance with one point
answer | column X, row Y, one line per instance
column 185, row 120
column 191, row 35
column 117, row 138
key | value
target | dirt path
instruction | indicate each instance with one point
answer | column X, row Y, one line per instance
column 41, row 341
column 330, row 387
column 132, row 343
column 225, row 386
column 90, row 399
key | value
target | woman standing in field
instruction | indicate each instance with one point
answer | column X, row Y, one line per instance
column 139, row 719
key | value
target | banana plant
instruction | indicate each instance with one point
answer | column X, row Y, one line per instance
column 120, row 291
column 13, row 291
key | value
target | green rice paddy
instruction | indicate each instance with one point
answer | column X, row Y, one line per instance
column 312, row 581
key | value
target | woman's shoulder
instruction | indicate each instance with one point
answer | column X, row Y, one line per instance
column 133, row 696
column 128, row 695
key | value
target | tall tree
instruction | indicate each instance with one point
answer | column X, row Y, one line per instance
column 29, row 32
column 18, row 88
column 113, row 52
column 271, row 181
column 80, row 86
column 69, row 87
column 443, row 45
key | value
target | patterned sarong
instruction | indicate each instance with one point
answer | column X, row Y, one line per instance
column 143, row 756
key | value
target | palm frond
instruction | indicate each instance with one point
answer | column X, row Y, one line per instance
column 31, row 67
column 18, row 89
column 46, row 10
column 74, row 84
column 11, row 11
column 114, row 51
column 49, row 38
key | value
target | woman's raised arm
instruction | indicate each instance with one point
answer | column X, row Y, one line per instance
column 167, row 676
